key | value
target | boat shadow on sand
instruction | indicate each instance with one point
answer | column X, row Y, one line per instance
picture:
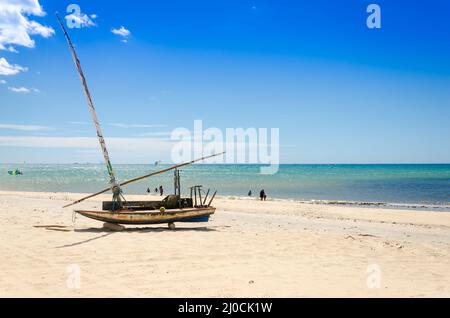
column 107, row 232
column 148, row 229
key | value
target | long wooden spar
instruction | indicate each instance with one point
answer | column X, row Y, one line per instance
column 143, row 177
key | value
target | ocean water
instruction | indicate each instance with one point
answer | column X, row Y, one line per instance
column 400, row 184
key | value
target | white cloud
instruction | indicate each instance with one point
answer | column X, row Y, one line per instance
column 122, row 32
column 12, row 49
column 23, row 127
column 22, row 90
column 116, row 144
column 2, row 82
column 15, row 25
column 10, row 69
column 16, row 28
column 81, row 19
column 120, row 125
column 25, row 6
column 36, row 28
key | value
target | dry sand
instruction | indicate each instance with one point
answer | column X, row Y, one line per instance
column 248, row 249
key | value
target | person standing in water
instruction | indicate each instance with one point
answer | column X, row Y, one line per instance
column 262, row 195
column 161, row 190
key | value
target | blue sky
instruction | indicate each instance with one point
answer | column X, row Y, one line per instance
column 338, row 91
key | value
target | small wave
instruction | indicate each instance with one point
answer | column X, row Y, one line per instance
column 386, row 205
column 398, row 206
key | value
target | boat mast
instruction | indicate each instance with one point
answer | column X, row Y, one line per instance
column 115, row 188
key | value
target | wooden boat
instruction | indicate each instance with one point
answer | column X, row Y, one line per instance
column 150, row 217
column 172, row 209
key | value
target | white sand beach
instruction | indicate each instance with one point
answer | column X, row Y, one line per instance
column 248, row 249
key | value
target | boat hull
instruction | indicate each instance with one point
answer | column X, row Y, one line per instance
column 150, row 217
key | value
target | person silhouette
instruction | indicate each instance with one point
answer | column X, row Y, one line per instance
column 262, row 195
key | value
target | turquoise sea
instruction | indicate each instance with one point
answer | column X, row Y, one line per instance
column 411, row 184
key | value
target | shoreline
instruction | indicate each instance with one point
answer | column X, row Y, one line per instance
column 350, row 203
column 385, row 205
